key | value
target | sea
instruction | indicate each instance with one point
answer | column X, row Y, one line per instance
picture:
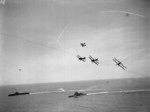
column 117, row 95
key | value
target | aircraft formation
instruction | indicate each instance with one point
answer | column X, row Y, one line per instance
column 96, row 61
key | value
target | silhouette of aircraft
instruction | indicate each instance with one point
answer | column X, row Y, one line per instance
column 81, row 58
column 94, row 60
column 119, row 63
column 83, row 44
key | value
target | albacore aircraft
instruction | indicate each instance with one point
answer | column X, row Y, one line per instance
column 83, row 44
column 94, row 60
column 119, row 63
column 81, row 58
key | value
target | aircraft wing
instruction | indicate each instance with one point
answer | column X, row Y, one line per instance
column 90, row 58
column 96, row 62
column 123, row 65
column 115, row 61
column 83, row 60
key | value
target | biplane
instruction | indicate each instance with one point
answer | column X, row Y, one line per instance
column 94, row 60
column 81, row 58
column 83, row 44
column 119, row 63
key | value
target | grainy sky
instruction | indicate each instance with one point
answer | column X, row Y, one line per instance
column 39, row 40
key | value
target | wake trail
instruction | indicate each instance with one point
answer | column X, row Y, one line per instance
column 105, row 91
column 46, row 92
column 82, row 90
column 63, row 90
column 73, row 90
column 128, row 13
column 122, row 91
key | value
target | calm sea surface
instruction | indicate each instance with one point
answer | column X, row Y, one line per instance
column 59, row 102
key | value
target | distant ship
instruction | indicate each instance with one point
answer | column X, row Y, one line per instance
column 17, row 94
column 76, row 94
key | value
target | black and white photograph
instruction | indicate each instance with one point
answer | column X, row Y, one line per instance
column 74, row 55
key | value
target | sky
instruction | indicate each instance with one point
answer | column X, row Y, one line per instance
column 40, row 39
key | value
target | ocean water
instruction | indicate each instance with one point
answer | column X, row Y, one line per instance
column 46, row 99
